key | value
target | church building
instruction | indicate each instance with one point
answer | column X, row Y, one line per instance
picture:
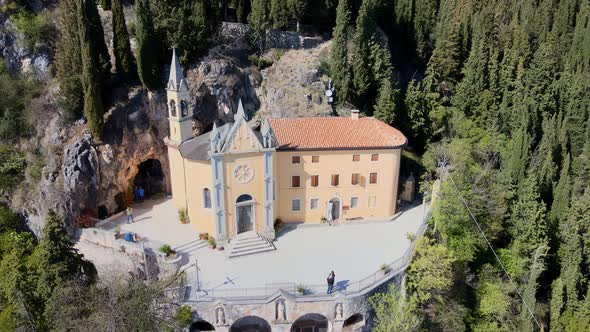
column 243, row 176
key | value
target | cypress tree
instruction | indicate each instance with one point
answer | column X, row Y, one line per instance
column 297, row 9
column 105, row 4
column 386, row 107
column 279, row 13
column 243, row 11
column 361, row 61
column 340, row 68
column 259, row 16
column 121, row 46
column 418, row 109
column 93, row 106
column 68, row 61
column 148, row 64
column 96, row 37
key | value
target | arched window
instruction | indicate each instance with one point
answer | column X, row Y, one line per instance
column 172, row 108
column 206, row 198
column 244, row 198
column 183, row 108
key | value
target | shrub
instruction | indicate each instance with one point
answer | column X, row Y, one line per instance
column 37, row 29
column 211, row 241
column 411, row 236
column 260, row 62
column 385, row 268
column 166, row 249
column 301, row 289
column 184, row 316
column 182, row 215
column 324, row 67
column 12, row 167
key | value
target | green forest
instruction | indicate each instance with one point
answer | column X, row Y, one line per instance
column 494, row 97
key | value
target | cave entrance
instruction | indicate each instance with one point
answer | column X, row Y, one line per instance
column 150, row 177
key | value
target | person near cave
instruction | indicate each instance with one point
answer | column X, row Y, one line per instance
column 141, row 194
column 129, row 212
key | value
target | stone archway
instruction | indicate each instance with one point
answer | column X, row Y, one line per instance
column 201, row 325
column 244, row 214
column 353, row 323
column 150, row 177
column 250, row 324
column 336, row 211
column 311, row 322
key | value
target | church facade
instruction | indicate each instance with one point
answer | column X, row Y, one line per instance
column 241, row 177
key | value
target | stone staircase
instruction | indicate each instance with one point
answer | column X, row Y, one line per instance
column 190, row 247
column 247, row 244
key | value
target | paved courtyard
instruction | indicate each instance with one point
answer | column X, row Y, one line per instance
column 304, row 255
column 157, row 222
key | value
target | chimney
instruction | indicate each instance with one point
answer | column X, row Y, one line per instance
column 354, row 114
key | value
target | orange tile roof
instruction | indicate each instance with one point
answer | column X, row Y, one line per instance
column 338, row 133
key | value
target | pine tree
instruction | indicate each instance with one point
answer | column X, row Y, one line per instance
column 386, row 108
column 259, row 17
column 91, row 78
column 121, row 47
column 96, row 37
column 68, row 61
column 418, row 109
column 148, row 64
column 339, row 63
column 361, row 52
column 520, row 151
column 56, row 260
column 279, row 13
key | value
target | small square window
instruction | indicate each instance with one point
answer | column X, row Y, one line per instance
column 315, row 159
column 296, row 205
column 356, row 157
column 335, row 180
column 354, row 202
column 373, row 178
column 355, row 179
column 295, row 181
column 374, row 157
column 372, row 201
column 314, row 203
column 296, row 159
column 315, row 180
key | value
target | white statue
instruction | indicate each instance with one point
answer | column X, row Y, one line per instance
column 220, row 317
column 281, row 311
column 339, row 311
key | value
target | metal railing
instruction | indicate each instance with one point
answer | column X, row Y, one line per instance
column 195, row 294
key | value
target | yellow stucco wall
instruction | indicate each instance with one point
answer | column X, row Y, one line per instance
column 338, row 162
column 199, row 177
column 177, row 181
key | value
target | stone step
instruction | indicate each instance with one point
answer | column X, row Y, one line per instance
column 248, row 246
column 191, row 246
column 250, row 252
column 249, row 240
column 246, row 236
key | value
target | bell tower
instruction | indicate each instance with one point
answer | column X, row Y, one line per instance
column 180, row 111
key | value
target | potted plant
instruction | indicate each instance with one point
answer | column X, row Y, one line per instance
column 211, row 242
column 324, row 220
column 385, row 268
column 183, row 216
column 204, row 236
column 220, row 248
column 167, row 250
column 301, row 289
column 411, row 236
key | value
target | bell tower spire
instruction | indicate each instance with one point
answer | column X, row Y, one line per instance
column 180, row 108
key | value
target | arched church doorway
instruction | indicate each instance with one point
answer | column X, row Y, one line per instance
column 311, row 323
column 244, row 213
column 353, row 323
column 334, row 208
column 201, row 325
column 250, row 324
column 150, row 177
